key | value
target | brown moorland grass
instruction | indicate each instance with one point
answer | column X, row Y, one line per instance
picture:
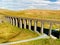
column 36, row 14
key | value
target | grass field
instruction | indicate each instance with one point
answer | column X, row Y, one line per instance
column 7, row 29
column 9, row 33
column 25, row 34
column 36, row 14
column 41, row 42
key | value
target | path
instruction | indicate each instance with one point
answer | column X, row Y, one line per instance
column 40, row 37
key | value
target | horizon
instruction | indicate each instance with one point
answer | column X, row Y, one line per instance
column 28, row 9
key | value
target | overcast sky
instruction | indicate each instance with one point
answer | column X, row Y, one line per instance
column 30, row 4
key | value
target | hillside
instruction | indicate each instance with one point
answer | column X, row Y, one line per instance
column 41, row 42
column 34, row 13
column 9, row 33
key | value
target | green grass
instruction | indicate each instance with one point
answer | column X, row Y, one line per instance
column 9, row 33
column 7, row 30
column 41, row 42
column 25, row 34
column 3, row 40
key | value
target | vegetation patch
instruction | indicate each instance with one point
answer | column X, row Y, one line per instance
column 41, row 42
column 36, row 14
column 25, row 34
column 9, row 33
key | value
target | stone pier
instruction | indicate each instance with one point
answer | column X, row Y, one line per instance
column 59, row 34
column 13, row 21
column 35, row 26
column 25, row 23
column 16, row 22
column 30, row 23
column 20, row 23
column 50, row 31
column 20, row 20
column 42, row 27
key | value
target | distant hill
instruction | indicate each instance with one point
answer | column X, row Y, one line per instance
column 34, row 13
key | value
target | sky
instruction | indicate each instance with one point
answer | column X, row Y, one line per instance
column 30, row 4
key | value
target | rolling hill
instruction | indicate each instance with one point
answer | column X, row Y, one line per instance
column 9, row 33
column 34, row 13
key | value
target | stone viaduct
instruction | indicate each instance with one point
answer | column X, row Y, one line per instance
column 14, row 21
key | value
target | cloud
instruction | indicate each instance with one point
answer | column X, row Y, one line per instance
column 29, row 4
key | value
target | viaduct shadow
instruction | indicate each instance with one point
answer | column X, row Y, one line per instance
column 46, row 31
